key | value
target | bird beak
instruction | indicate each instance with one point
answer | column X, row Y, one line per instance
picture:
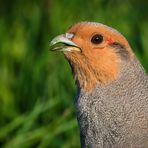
column 62, row 43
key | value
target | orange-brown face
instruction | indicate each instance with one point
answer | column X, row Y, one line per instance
column 95, row 53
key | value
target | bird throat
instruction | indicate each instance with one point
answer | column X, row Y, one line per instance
column 89, row 74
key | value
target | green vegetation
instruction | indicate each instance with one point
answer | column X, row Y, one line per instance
column 36, row 86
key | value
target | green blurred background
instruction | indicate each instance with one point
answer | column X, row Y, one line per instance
column 36, row 86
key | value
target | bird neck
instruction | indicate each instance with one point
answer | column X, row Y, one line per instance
column 87, row 76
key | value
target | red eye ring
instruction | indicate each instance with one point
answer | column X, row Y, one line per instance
column 110, row 41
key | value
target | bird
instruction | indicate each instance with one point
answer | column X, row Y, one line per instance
column 112, row 86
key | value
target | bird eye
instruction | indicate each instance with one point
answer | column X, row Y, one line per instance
column 97, row 39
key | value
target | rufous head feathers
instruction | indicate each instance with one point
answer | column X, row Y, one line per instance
column 95, row 53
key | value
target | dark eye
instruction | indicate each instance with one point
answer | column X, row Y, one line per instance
column 97, row 39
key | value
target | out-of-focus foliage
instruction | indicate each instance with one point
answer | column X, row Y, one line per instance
column 36, row 86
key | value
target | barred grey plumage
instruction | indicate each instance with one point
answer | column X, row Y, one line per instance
column 116, row 115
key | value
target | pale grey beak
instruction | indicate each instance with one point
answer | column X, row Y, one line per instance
column 62, row 43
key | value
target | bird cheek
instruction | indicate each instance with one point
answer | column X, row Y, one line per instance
column 77, row 41
column 100, row 46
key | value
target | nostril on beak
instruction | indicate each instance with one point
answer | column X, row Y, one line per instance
column 69, row 35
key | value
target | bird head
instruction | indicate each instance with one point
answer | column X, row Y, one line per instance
column 95, row 52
